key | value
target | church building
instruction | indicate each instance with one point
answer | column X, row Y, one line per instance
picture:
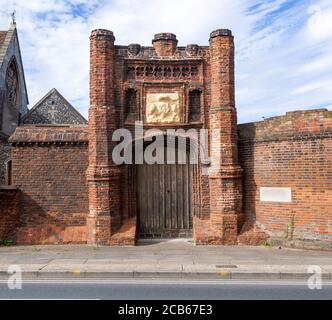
column 13, row 94
column 268, row 181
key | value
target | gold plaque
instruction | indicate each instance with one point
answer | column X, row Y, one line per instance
column 162, row 108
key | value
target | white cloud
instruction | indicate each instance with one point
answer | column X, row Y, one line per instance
column 320, row 22
column 283, row 56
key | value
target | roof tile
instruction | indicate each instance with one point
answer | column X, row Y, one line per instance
column 51, row 134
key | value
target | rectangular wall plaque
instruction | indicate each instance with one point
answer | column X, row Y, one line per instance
column 275, row 194
column 162, row 108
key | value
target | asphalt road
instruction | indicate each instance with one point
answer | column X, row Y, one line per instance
column 166, row 290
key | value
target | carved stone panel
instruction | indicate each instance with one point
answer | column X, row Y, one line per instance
column 163, row 108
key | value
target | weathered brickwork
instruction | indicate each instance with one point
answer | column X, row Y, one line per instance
column 103, row 176
column 72, row 191
column 225, row 184
column 121, row 79
column 9, row 212
column 49, row 168
column 292, row 151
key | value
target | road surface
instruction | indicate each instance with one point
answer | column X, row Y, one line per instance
column 165, row 290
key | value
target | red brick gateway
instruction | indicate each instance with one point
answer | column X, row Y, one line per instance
column 273, row 180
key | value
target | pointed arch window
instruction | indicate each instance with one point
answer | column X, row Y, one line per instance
column 12, row 85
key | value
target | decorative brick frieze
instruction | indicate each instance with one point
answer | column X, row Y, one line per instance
column 173, row 70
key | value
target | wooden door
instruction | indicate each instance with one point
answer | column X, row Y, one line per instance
column 164, row 200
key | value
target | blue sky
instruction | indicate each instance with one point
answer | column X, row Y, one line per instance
column 283, row 48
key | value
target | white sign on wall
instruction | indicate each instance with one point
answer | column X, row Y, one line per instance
column 275, row 194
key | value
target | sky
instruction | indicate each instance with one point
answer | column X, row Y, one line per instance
column 283, row 48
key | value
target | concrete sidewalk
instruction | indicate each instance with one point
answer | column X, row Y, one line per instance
column 177, row 259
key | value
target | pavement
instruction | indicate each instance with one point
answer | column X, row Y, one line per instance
column 175, row 259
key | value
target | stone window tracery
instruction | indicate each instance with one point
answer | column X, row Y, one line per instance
column 12, row 85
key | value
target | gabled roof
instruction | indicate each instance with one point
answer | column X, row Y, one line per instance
column 53, row 108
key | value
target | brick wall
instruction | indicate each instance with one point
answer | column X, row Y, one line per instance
column 9, row 212
column 49, row 168
column 292, row 151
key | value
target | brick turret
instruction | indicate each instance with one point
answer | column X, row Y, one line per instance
column 225, row 184
column 165, row 44
column 103, row 176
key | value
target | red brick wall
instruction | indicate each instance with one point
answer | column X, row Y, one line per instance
column 293, row 151
column 49, row 168
column 9, row 212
